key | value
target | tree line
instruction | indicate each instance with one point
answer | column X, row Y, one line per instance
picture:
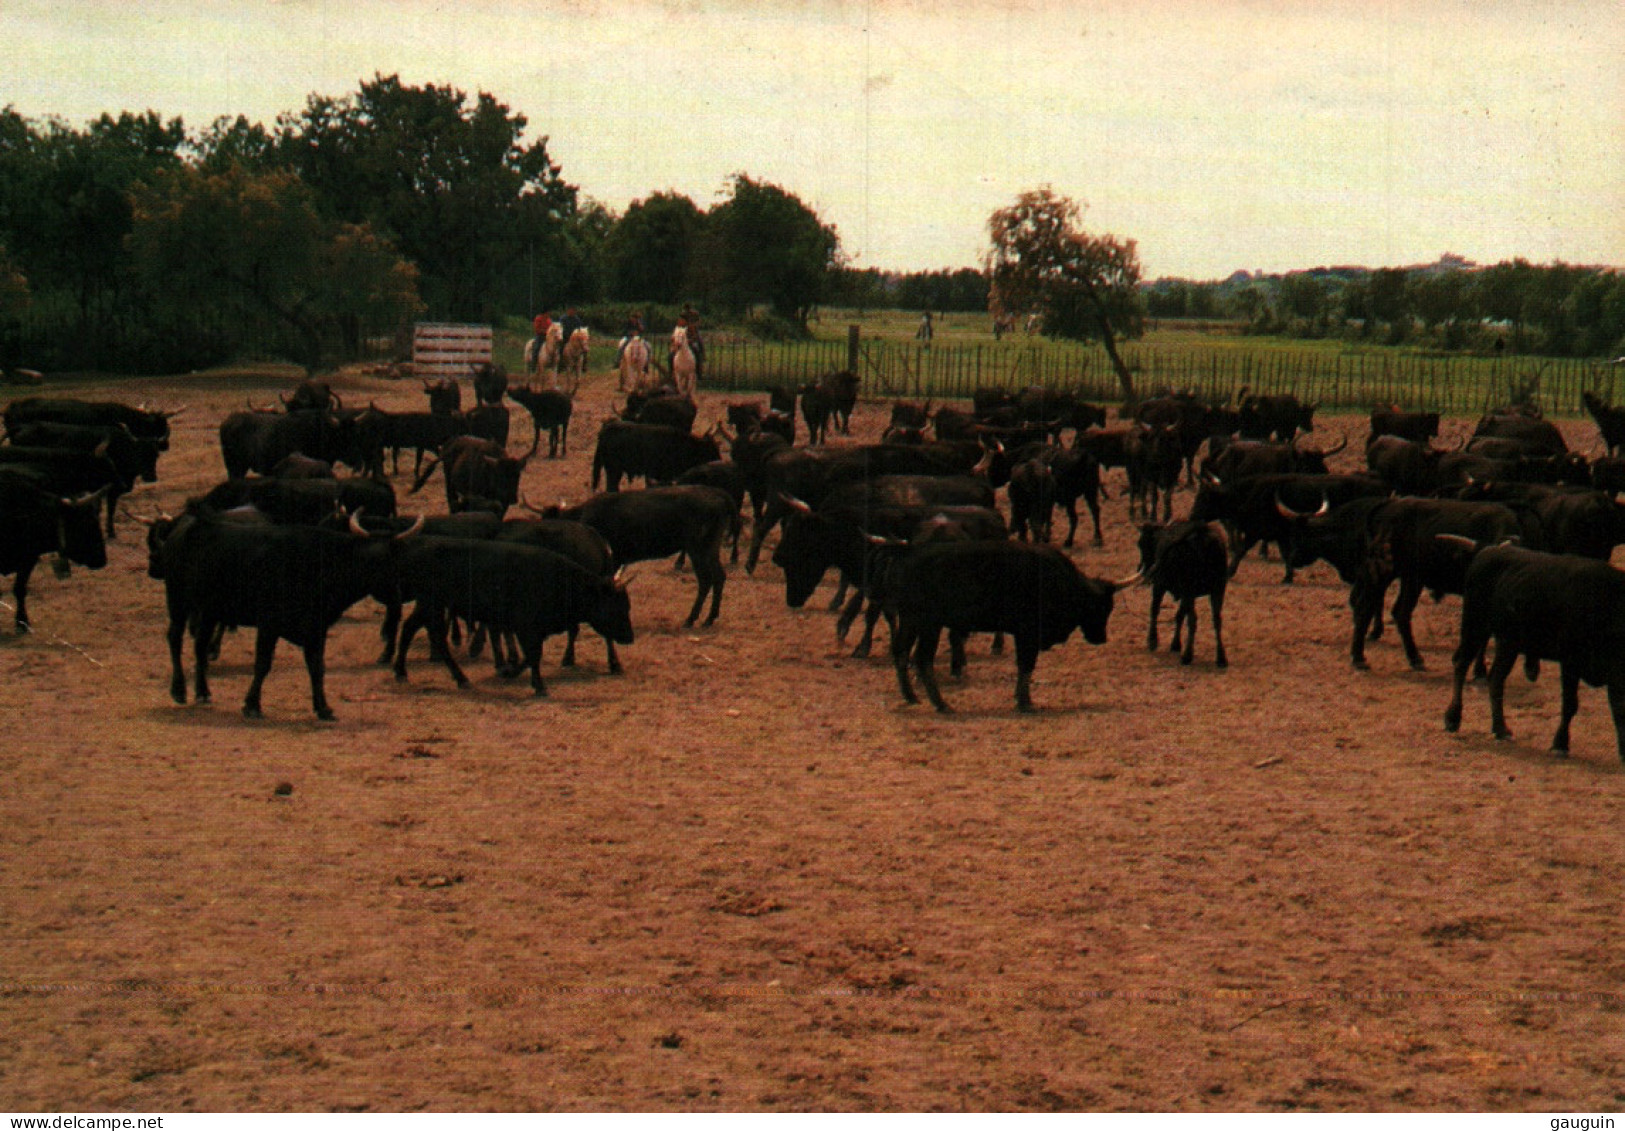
column 136, row 244
column 1555, row 309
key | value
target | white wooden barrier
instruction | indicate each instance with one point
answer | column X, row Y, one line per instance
column 449, row 349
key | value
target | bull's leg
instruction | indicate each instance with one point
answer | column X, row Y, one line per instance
column 19, row 592
column 1570, row 681
column 1616, row 705
column 388, row 630
column 436, row 627
column 1187, row 613
column 1361, row 601
column 216, row 638
column 531, row 646
column 1505, row 658
column 569, row 660
column 316, row 667
column 1215, row 602
column 1410, row 592
column 870, row 616
column 1571, row 705
column 1026, row 662
column 902, row 642
column 998, row 644
column 504, row 654
column 614, row 660
column 409, row 629
column 925, row 656
column 842, row 584
column 712, row 573
column 1242, row 544
column 1467, row 652
column 201, row 631
column 771, row 515
column 843, row 623
column 1094, row 513
column 956, row 653
column 177, row 671
column 1151, row 635
column 1071, row 509
column 476, row 644
column 264, row 652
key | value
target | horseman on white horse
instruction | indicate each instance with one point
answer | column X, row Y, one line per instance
column 636, row 358
column 684, row 371
column 573, row 359
column 542, row 352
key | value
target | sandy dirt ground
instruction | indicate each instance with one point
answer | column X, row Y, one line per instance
column 744, row 876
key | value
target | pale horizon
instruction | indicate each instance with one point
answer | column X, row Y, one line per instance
column 1231, row 136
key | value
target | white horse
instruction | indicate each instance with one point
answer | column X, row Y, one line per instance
column 684, row 371
column 635, row 360
column 573, row 360
column 545, row 362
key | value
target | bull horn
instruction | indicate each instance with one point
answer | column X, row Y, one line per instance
column 101, row 449
column 526, row 504
column 1287, row 512
column 89, row 500
column 795, row 504
column 1459, row 540
column 172, row 413
column 1340, row 447
column 624, row 576
column 338, row 401
column 411, row 531
column 1135, row 578
column 355, row 523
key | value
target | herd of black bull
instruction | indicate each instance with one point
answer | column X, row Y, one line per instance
column 1511, row 520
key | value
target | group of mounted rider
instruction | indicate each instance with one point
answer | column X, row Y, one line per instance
column 561, row 348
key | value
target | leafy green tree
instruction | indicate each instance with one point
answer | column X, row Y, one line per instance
column 449, row 180
column 1387, row 301
column 765, row 245
column 650, row 249
column 65, row 199
column 1437, row 297
column 228, row 142
column 246, row 245
column 13, row 286
column 1086, row 286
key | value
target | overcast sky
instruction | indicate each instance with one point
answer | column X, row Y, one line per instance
column 1222, row 135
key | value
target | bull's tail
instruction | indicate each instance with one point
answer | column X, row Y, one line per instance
column 423, row 475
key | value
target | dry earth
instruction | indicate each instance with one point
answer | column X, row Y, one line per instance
column 745, row 876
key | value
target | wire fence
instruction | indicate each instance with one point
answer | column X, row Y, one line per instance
column 1451, row 384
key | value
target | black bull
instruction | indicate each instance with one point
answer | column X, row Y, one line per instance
column 1545, row 607
column 40, row 522
column 289, row 582
column 1034, row 593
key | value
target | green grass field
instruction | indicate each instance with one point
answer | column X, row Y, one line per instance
column 1212, row 358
